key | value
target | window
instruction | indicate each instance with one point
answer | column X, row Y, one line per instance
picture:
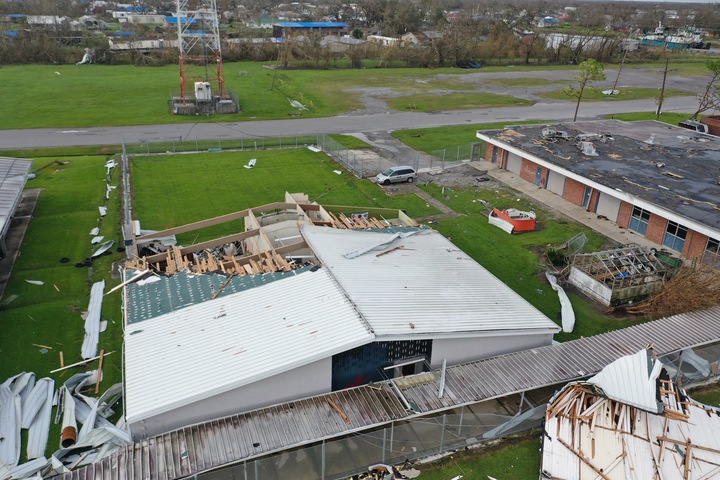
column 639, row 220
column 495, row 154
column 675, row 236
column 712, row 252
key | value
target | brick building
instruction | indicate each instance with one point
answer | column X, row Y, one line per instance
column 658, row 180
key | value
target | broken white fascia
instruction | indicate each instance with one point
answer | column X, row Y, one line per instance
column 615, row 193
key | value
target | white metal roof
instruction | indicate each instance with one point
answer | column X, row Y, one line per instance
column 13, row 175
column 428, row 287
column 631, row 380
column 206, row 349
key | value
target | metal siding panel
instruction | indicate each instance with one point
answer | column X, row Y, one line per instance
column 608, row 206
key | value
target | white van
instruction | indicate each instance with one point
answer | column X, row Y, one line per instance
column 396, row 175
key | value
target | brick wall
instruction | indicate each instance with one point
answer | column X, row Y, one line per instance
column 527, row 170
column 574, row 191
column 695, row 244
column 624, row 213
column 656, row 228
column 489, row 148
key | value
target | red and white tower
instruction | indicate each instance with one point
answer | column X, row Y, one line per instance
column 202, row 83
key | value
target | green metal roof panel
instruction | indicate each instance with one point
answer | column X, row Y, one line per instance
column 161, row 295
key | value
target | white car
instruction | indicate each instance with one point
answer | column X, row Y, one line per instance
column 396, row 175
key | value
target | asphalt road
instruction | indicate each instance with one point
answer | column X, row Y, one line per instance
column 555, row 111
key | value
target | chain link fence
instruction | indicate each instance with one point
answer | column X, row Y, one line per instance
column 178, row 145
column 396, row 443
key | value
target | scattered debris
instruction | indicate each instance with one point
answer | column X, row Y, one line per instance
column 567, row 313
column 96, row 240
column 337, row 172
column 251, row 163
column 92, row 323
column 103, row 248
column 512, row 220
column 35, row 282
column 95, row 231
column 103, row 211
column 629, row 421
column 690, row 288
column 296, row 104
column 314, row 148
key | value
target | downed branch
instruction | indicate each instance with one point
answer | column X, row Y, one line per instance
column 691, row 288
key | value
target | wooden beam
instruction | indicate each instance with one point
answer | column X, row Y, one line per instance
column 340, row 412
column 224, row 219
column 99, row 371
column 209, row 244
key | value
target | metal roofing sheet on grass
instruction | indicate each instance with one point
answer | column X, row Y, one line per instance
column 235, row 340
column 428, row 286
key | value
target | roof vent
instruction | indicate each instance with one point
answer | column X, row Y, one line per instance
column 587, row 148
column 551, row 132
column 651, row 140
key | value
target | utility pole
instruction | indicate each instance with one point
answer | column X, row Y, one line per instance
column 614, row 88
column 662, row 90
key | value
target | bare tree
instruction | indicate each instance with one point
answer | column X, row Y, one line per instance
column 588, row 71
column 710, row 98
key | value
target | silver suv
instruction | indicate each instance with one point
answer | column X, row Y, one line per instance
column 396, row 175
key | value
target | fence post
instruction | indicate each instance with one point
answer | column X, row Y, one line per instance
column 462, row 411
column 322, row 457
column 442, row 435
column 384, row 443
column 392, row 435
column 257, row 470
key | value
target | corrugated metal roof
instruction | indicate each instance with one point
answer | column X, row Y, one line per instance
column 236, row 340
column 539, row 367
column 587, row 432
column 632, row 381
column 13, row 175
column 181, row 453
column 422, row 285
column 148, row 299
column 313, row 24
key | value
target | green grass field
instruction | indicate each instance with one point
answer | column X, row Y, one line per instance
column 237, row 188
column 58, row 96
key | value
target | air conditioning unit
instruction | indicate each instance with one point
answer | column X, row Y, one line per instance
column 587, row 148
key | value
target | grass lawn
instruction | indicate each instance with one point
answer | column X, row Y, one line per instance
column 593, row 94
column 514, row 459
column 50, row 314
column 56, row 96
column 429, row 140
column 235, row 187
column 431, row 102
column 671, row 118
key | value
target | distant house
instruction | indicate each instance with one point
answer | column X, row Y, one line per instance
column 341, row 44
column 283, row 29
column 547, row 22
column 46, row 20
column 383, row 40
column 421, row 38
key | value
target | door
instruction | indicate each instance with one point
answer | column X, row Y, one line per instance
column 586, row 197
column 538, row 176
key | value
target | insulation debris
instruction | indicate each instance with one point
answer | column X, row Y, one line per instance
column 103, row 211
column 566, row 311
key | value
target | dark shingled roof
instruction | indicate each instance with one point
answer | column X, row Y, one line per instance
column 668, row 166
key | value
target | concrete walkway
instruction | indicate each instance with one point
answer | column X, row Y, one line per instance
column 556, row 203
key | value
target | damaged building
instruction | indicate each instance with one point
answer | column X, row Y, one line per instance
column 620, row 276
column 304, row 301
column 656, row 180
column 631, row 420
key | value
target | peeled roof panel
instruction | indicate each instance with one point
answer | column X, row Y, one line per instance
column 213, row 347
column 631, row 380
column 429, row 286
